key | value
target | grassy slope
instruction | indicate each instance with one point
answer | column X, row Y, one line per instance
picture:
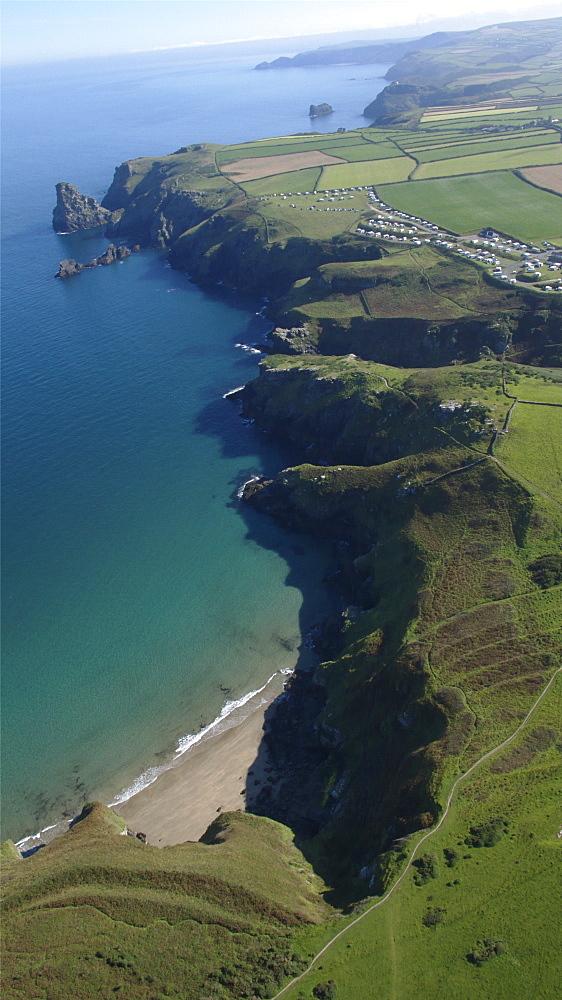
column 95, row 913
column 503, row 892
column 460, row 625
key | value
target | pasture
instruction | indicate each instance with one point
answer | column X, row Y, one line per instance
column 533, row 447
column 384, row 171
column 476, row 163
column 467, row 203
column 440, row 151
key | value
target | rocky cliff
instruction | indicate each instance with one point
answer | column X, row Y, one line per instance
column 159, row 199
column 77, row 211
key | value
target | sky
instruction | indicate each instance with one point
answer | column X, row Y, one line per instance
column 50, row 30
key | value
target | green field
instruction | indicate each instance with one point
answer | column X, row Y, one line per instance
column 451, row 150
column 368, row 172
column 365, row 151
column 433, row 116
column 508, row 159
column 292, row 181
column 539, row 386
column 533, row 447
column 466, row 204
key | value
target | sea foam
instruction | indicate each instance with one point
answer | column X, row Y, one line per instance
column 220, row 724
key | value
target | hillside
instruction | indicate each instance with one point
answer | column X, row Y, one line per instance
column 96, row 913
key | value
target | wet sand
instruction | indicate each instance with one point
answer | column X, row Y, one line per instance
column 209, row 779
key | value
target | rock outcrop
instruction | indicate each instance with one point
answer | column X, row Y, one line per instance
column 77, row 211
column 317, row 110
column 69, row 266
column 293, row 340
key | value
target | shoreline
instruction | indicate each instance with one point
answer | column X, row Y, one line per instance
column 177, row 799
column 215, row 775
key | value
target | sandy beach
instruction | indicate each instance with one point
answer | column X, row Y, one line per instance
column 208, row 779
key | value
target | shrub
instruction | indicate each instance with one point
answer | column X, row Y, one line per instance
column 451, row 857
column 325, row 991
column 427, row 867
column 485, row 950
column 488, row 834
column 547, row 570
column 435, row 915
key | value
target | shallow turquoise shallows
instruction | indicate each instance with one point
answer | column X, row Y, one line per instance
column 138, row 597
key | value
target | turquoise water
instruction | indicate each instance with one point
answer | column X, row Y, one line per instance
column 137, row 597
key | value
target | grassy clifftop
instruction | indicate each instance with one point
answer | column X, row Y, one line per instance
column 97, row 914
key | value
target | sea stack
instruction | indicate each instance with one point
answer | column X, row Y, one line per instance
column 77, row 211
column 317, row 110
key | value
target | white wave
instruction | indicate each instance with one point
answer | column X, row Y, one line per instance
column 42, row 837
column 185, row 744
column 231, row 392
column 249, row 348
column 149, row 776
column 240, row 490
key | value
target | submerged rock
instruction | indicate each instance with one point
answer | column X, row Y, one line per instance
column 77, row 211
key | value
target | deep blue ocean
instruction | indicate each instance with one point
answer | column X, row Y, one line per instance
column 138, row 598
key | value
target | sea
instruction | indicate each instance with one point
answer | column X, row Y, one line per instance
column 142, row 602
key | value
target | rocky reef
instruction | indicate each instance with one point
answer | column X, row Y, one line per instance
column 70, row 267
column 75, row 211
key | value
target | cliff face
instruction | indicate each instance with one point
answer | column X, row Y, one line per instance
column 232, row 247
column 161, row 198
column 338, row 410
column 160, row 216
column 77, row 211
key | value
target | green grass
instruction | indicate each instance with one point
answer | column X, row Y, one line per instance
column 543, row 386
column 317, row 224
column 501, row 892
column 365, row 151
column 96, row 914
column 292, row 181
column 466, row 204
column 417, row 283
column 533, row 447
column 482, row 162
column 523, row 143
column 382, row 171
